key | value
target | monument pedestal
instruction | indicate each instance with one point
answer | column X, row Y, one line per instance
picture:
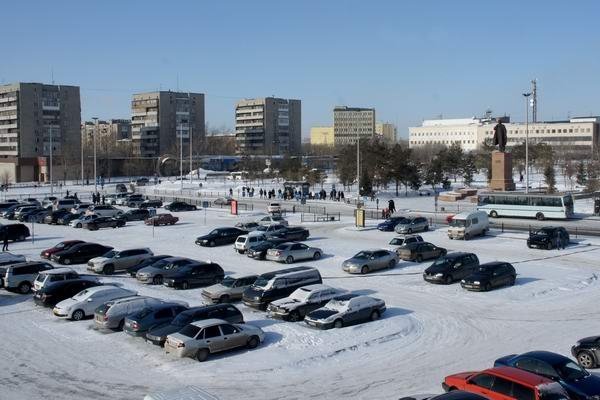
column 502, row 178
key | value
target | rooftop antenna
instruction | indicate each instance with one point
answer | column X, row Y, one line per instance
column 534, row 100
column 52, row 74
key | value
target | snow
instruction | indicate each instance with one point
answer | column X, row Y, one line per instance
column 428, row 331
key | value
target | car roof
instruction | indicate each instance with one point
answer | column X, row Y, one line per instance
column 287, row 271
column 518, row 375
column 238, row 275
column 208, row 322
column 57, row 271
column 374, row 250
column 347, row 297
column 102, row 288
column 548, row 356
column 27, row 263
column 457, row 254
column 493, row 264
column 316, row 287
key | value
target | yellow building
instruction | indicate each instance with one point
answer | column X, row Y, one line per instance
column 321, row 135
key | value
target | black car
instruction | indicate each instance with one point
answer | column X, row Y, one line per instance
column 490, row 275
column 587, row 351
column 180, row 206
column 146, row 263
column 292, row 234
column 220, row 236
column 579, row 383
column 151, row 204
column 55, row 215
column 24, row 216
column 59, row 291
column 389, row 224
column 259, row 251
column 451, row 267
column 67, row 218
column 80, row 253
column 137, row 214
column 139, row 323
column 227, row 312
column 197, row 274
column 15, row 232
column 546, row 237
column 104, row 222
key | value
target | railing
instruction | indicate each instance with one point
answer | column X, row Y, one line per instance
column 311, row 217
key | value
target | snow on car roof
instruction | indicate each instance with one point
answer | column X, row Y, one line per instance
column 57, row 271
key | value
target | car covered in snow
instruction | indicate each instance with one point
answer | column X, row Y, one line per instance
column 229, row 289
column 302, row 301
column 84, row 303
column 345, row 310
column 273, row 220
column 366, row 261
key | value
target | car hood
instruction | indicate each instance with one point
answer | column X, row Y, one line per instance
column 164, row 330
column 286, row 303
column 252, row 292
column 589, row 339
column 216, row 289
column 205, row 237
column 435, row 269
column 478, row 276
column 355, row 261
column 322, row 313
column 589, row 385
column 150, row 270
column 52, row 251
column 65, row 304
column 99, row 260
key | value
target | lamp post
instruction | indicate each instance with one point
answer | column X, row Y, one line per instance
column 81, row 145
column 95, row 170
column 357, row 164
column 51, row 153
column 526, row 95
column 191, row 165
column 181, row 157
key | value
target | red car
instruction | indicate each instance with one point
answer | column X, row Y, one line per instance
column 506, row 383
column 67, row 244
column 161, row 219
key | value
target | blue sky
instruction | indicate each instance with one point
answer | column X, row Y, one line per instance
column 409, row 59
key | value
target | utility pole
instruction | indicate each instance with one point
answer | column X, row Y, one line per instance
column 81, row 145
column 534, row 101
column 51, row 152
column 95, row 168
column 191, row 165
column 357, row 164
column 181, row 156
column 526, row 95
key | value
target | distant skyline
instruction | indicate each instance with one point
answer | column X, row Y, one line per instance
column 410, row 60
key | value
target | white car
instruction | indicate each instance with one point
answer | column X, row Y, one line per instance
column 273, row 220
column 274, row 208
column 346, row 310
column 302, row 301
column 78, row 223
column 85, row 302
column 104, row 210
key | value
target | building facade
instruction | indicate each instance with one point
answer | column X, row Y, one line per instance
column 113, row 129
column 386, row 131
column 322, row 136
column 159, row 120
column 268, row 126
column 351, row 123
column 577, row 136
column 39, row 122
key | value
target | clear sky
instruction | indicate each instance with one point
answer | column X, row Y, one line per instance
column 410, row 60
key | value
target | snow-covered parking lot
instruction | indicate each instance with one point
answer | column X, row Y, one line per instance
column 427, row 332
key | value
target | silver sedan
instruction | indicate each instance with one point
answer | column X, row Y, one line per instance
column 291, row 252
column 370, row 260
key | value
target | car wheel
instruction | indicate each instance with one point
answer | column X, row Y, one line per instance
column 185, row 285
column 338, row 323
column 493, row 214
column 78, row 226
column 67, row 261
column 253, row 342
column 317, row 255
column 549, row 246
column 586, row 359
column 294, row 316
column 364, row 270
column 202, row 355
column 487, row 287
column 77, row 315
column 391, row 264
column 24, row 287
column 157, row 280
column 512, row 281
column 375, row 315
column 224, row 298
column 212, row 243
column 467, row 236
column 426, row 228
column 419, row 258
column 449, row 279
column 540, row 216
column 409, row 231
column 289, row 260
column 108, row 269
column 121, row 325
column 21, row 238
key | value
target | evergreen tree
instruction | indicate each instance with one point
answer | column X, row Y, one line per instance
column 581, row 174
column 469, row 169
column 550, row 178
column 434, row 173
column 366, row 184
column 414, row 177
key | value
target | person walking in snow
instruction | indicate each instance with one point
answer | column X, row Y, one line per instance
column 391, row 206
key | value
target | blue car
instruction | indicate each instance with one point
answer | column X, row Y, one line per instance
column 579, row 383
column 389, row 224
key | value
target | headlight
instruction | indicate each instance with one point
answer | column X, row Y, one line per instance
column 476, row 282
column 439, row 275
column 462, row 281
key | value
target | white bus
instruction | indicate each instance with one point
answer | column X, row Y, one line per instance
column 530, row 205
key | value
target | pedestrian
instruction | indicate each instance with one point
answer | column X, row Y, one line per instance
column 4, row 240
column 521, row 177
column 103, row 199
column 391, row 206
column 558, row 241
column 67, row 193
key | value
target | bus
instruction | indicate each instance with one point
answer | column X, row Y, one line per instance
column 529, row 205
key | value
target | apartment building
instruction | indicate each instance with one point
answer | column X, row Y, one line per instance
column 159, row 120
column 321, row 136
column 386, row 131
column 268, row 126
column 113, row 129
column 351, row 123
column 38, row 121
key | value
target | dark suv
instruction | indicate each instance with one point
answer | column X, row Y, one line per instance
column 293, row 234
column 451, row 267
column 15, row 232
column 220, row 236
column 490, row 275
column 197, row 274
column 546, row 238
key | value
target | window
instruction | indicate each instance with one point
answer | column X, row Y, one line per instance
column 483, row 380
column 522, row 392
column 212, row 332
column 229, row 329
column 164, row 313
column 502, row 386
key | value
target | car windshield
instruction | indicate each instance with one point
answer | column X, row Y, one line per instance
column 363, row 255
column 486, row 268
column 228, row 281
column 544, row 232
column 171, row 266
column 300, row 295
column 241, row 239
column 190, row 331
column 182, row 320
column 440, row 262
column 458, row 223
column 40, row 278
column 110, row 254
column 262, row 228
column 337, row 305
column 261, row 282
column 552, row 391
column 61, row 245
column 214, row 232
column 570, row 371
column 146, row 311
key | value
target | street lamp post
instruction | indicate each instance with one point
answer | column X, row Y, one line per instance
column 95, row 170
column 81, row 145
column 526, row 95
column 181, row 157
column 357, row 164
column 191, row 165
column 51, row 153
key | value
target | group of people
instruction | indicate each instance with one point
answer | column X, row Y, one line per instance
column 391, row 208
column 98, row 199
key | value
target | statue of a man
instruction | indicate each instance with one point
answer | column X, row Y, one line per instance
column 500, row 136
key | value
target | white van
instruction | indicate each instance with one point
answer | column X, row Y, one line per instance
column 468, row 224
column 65, row 204
column 243, row 242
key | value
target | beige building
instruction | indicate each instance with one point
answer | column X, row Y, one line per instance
column 350, row 123
column 115, row 129
column 37, row 122
column 579, row 136
column 386, row 131
column 321, row 136
column 160, row 119
column 268, row 126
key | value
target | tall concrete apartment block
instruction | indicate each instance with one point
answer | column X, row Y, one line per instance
column 32, row 116
column 160, row 119
column 350, row 123
column 268, row 126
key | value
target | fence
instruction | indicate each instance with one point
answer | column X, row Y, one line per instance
column 328, row 217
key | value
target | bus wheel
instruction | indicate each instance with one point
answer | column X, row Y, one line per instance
column 493, row 214
column 539, row 216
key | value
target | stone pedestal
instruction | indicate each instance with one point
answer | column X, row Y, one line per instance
column 502, row 178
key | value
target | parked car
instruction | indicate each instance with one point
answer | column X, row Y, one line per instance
column 15, row 232
column 103, row 222
column 229, row 289
column 82, row 219
column 132, row 271
column 345, row 310
column 67, row 218
column 302, row 301
column 505, row 383
column 420, row 251
column 222, row 201
column 121, row 188
column 413, row 224
column 451, row 268
column 276, row 285
column 259, row 251
column 80, row 208
column 247, row 226
column 114, row 260
column 49, row 277
column 104, row 210
column 138, row 324
column 158, row 334
column 366, row 261
column 546, row 237
column 137, row 214
column 80, row 253
column 64, row 245
column 25, row 214
column 197, row 274
column 177, row 206
column 9, row 212
column 578, row 382
column 468, row 224
column 151, row 204
column 112, row 314
column 271, row 231
column 161, row 219
column 389, row 224
column 587, row 352
column 202, row 338
column 53, row 217
column 293, row 234
column 38, row 216
column 134, row 200
column 157, row 272
column 292, row 252
column 84, row 303
column 22, row 210
column 53, row 294
column 490, row 275
column 453, row 395
column 49, row 201
column 7, row 259
column 244, row 242
column 274, row 208
column 114, row 199
column 65, row 204
column 20, row 277
column 405, row 239
column 273, row 220
column 220, row 236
